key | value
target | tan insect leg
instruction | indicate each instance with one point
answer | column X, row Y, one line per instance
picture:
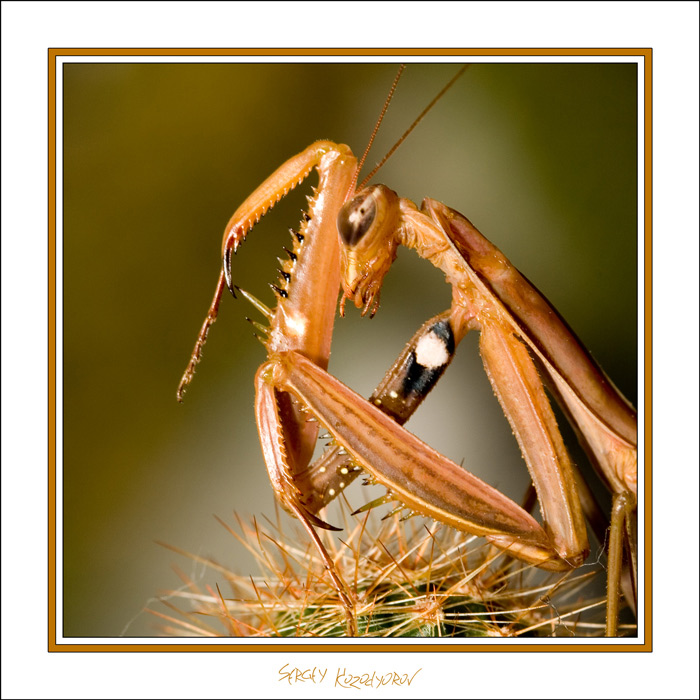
column 274, row 451
column 336, row 166
column 414, row 473
column 622, row 513
column 520, row 392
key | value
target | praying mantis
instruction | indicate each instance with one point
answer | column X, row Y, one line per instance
column 520, row 333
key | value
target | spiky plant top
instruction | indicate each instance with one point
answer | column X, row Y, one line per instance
column 408, row 579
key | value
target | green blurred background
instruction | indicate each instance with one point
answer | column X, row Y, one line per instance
column 541, row 158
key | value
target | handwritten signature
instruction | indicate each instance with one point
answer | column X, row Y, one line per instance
column 343, row 679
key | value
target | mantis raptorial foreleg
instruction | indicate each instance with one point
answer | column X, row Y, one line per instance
column 416, row 475
column 303, row 318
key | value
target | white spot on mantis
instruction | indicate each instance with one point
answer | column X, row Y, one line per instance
column 393, row 395
column 344, row 470
column 322, row 470
column 431, row 351
column 296, row 324
column 331, row 492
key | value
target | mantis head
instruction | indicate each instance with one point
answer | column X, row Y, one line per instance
column 368, row 228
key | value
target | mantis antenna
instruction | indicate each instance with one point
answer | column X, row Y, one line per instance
column 376, row 128
column 410, row 128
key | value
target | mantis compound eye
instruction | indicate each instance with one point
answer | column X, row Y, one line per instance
column 369, row 219
column 356, row 217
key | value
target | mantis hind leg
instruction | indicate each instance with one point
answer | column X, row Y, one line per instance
column 621, row 525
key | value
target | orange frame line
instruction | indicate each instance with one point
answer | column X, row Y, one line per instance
column 645, row 646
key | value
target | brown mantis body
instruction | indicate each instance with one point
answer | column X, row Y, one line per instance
column 518, row 329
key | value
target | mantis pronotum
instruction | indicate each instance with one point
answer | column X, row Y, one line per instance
column 293, row 388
